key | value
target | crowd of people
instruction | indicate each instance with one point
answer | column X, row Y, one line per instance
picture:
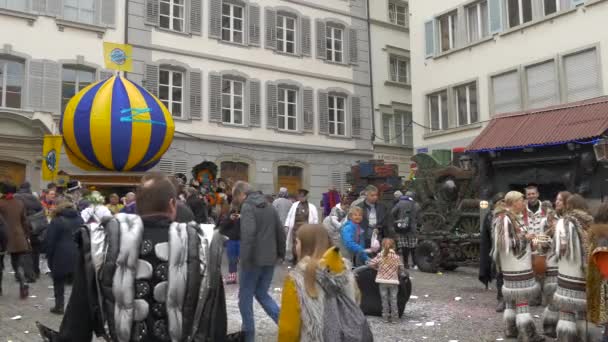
column 547, row 255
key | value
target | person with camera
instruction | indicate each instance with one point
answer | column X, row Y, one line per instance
column 403, row 217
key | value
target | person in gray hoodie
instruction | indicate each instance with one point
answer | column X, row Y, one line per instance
column 262, row 246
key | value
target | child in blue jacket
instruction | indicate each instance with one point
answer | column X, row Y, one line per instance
column 353, row 238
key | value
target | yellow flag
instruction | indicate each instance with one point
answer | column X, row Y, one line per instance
column 50, row 156
column 118, row 56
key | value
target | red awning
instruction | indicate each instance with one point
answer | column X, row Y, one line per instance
column 572, row 122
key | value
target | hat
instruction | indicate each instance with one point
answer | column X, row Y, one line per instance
column 283, row 190
column 303, row 192
column 398, row 194
column 25, row 186
column 73, row 186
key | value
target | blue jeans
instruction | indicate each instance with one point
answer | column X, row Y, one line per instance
column 256, row 282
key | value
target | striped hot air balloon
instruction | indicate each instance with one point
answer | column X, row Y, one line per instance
column 116, row 125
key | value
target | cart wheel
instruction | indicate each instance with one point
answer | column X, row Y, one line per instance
column 428, row 256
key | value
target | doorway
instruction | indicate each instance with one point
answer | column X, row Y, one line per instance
column 12, row 172
column 290, row 177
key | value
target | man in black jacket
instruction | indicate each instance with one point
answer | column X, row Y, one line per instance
column 33, row 207
column 197, row 205
column 374, row 214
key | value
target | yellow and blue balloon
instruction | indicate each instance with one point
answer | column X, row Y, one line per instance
column 116, row 125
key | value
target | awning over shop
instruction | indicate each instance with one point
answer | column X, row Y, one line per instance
column 115, row 180
column 577, row 122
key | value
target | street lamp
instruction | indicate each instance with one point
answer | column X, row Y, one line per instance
column 465, row 162
column 600, row 148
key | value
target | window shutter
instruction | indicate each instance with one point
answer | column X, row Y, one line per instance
column 582, row 76
column 356, row 116
column 323, row 113
column 36, row 84
column 495, row 15
column 40, row 6
column 215, row 19
column 386, row 128
column 393, row 68
column 196, row 17
column 105, row 74
column 308, row 109
column 151, row 79
column 54, row 7
column 398, row 129
column 270, row 17
column 108, row 12
column 506, row 92
column 215, row 97
column 152, row 12
column 408, row 135
column 254, row 25
column 429, row 35
column 321, row 44
column 272, row 109
column 353, row 46
column 577, row 2
column 51, row 95
column 542, row 83
column 305, row 28
column 196, row 91
column 255, row 110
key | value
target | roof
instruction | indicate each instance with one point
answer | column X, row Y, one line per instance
column 571, row 122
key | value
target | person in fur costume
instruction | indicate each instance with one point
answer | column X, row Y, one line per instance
column 570, row 243
column 513, row 257
column 597, row 271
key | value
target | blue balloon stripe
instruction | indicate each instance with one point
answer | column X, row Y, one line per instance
column 82, row 125
column 121, row 131
column 159, row 127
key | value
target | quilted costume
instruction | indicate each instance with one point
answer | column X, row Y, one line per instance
column 597, row 283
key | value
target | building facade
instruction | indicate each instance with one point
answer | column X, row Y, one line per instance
column 474, row 60
column 275, row 92
column 391, row 80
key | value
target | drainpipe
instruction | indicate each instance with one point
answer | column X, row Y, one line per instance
column 371, row 74
column 127, row 27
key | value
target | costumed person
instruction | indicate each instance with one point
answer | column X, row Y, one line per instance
column 570, row 243
column 230, row 226
column 513, row 257
column 487, row 267
column 533, row 218
column 130, row 204
column 389, row 267
column 49, row 202
column 319, row 297
column 404, row 227
column 153, row 280
column 543, row 245
column 353, row 238
column 330, row 199
column 301, row 212
column 96, row 212
column 115, row 206
column 335, row 221
column 61, row 249
column 282, row 204
column 597, row 271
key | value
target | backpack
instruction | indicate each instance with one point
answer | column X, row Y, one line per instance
column 39, row 225
column 403, row 221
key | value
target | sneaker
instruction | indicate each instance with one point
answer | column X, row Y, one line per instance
column 57, row 310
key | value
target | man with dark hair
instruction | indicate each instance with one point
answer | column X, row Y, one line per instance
column 140, row 289
column 197, row 205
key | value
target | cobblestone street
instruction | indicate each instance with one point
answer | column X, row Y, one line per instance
column 433, row 314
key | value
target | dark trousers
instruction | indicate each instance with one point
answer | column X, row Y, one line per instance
column 20, row 266
column 499, row 283
column 36, row 262
column 59, row 290
column 406, row 252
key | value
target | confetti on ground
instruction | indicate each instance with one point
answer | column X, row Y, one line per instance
column 453, row 341
column 26, row 332
column 33, row 296
column 429, row 324
column 16, row 318
column 413, row 297
column 500, row 339
column 426, row 296
column 439, row 273
column 418, row 324
column 536, row 316
column 50, row 287
column 458, row 299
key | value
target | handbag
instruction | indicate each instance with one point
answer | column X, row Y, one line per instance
column 375, row 243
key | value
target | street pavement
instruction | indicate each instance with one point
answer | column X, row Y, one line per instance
column 446, row 307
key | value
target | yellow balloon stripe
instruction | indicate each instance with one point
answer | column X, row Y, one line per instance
column 101, row 124
column 168, row 134
column 141, row 132
column 69, row 136
column 79, row 162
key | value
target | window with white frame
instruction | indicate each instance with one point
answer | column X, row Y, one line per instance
column 232, row 23
column 172, row 14
column 477, row 21
column 506, row 92
column 438, row 110
column 335, row 44
column 337, row 114
column 397, row 128
column 551, row 6
column 397, row 13
column 466, row 104
column 400, row 69
column 286, row 33
column 79, row 10
column 171, row 90
column 17, row 5
column 232, row 101
column 447, row 31
column 288, row 109
column 387, row 121
column 519, row 12
column 12, row 74
column 74, row 80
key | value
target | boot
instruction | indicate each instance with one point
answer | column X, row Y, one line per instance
column 58, row 309
column 500, row 307
column 510, row 323
column 24, row 291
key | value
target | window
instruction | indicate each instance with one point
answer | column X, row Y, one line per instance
column 400, row 69
column 397, row 13
column 171, row 90
column 386, row 128
column 232, row 23
column 543, row 87
column 466, row 104
column 232, row 101
column 79, row 10
column 334, row 39
column 582, row 71
column 506, row 92
column 233, row 172
column 337, row 120
column 11, row 83
column 397, row 128
column 286, row 34
column 172, row 14
column 288, row 109
column 438, row 110
column 477, row 21
column 17, row 5
column 447, row 29
column 74, row 80
column 551, row 6
column 519, row 12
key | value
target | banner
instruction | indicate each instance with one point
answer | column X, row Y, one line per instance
column 50, row 156
column 118, row 56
